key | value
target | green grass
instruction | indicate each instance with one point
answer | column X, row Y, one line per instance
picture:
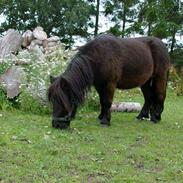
column 128, row 151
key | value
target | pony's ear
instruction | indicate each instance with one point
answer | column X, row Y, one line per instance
column 52, row 79
column 65, row 86
column 64, row 83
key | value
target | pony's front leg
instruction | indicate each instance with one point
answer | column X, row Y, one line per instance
column 106, row 96
column 106, row 118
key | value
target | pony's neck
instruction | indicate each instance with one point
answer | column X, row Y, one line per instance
column 79, row 76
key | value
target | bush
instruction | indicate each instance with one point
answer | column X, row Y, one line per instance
column 175, row 82
column 179, row 88
column 92, row 100
column 30, row 104
column 8, row 104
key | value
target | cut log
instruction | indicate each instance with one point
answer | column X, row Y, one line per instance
column 126, row 107
column 10, row 43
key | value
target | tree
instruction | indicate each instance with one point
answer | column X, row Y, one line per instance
column 65, row 18
column 97, row 18
column 122, row 13
column 174, row 17
column 164, row 25
column 147, row 16
column 158, row 17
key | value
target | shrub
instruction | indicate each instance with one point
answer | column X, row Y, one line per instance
column 30, row 104
column 175, row 82
column 179, row 88
column 92, row 100
column 7, row 104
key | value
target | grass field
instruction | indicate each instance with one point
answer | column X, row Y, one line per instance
column 128, row 151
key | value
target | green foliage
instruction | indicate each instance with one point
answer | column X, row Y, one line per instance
column 4, row 66
column 175, row 82
column 8, row 104
column 30, row 105
column 3, row 100
column 163, row 25
column 121, row 12
column 65, row 18
column 115, row 30
column 177, row 57
column 179, row 88
column 69, row 18
column 92, row 100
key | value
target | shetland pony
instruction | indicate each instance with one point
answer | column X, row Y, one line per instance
column 107, row 63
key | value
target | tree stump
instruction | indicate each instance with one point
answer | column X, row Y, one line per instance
column 10, row 43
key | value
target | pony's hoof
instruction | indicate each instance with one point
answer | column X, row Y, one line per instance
column 104, row 125
column 154, row 120
column 142, row 117
column 139, row 118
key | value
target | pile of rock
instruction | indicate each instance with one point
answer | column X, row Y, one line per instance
column 17, row 50
column 39, row 38
column 13, row 42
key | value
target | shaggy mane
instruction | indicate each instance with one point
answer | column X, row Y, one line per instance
column 78, row 77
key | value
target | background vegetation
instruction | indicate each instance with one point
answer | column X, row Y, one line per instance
column 71, row 19
column 129, row 151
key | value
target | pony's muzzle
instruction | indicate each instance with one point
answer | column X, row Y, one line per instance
column 61, row 124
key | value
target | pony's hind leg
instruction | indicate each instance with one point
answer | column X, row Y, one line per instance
column 159, row 90
column 101, row 94
column 147, row 92
column 106, row 94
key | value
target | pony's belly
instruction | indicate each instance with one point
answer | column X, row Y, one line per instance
column 132, row 82
column 135, row 73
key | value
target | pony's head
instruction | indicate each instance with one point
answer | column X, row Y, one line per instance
column 59, row 95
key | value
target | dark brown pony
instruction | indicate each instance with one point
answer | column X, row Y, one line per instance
column 107, row 63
